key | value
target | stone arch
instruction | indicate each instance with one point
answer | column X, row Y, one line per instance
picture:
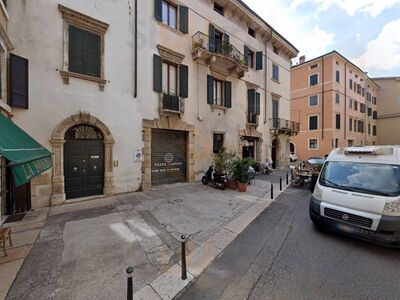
column 58, row 141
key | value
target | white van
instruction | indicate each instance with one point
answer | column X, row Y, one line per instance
column 358, row 193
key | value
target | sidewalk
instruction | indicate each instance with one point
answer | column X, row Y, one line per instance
column 84, row 248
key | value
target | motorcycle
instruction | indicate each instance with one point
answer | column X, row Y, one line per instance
column 218, row 181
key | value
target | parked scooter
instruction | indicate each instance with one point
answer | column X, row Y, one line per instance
column 216, row 180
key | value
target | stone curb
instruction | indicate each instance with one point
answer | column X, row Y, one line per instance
column 169, row 284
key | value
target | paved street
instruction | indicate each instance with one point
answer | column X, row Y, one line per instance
column 282, row 256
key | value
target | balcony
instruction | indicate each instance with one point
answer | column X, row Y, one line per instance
column 222, row 54
column 282, row 126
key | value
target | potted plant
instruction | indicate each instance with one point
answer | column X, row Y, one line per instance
column 223, row 165
column 241, row 172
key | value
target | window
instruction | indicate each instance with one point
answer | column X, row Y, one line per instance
column 336, row 145
column 314, row 66
column 337, row 98
column 374, row 130
column 84, row 51
column 275, row 72
column 355, row 105
column 313, row 144
column 253, row 106
column 275, row 50
column 350, row 124
column 337, row 76
column 312, row 122
column 351, row 83
column 313, row 79
column 218, row 142
column 369, row 111
column 250, row 58
column 355, row 125
column 170, row 79
column 251, row 32
column 360, row 126
column 362, row 108
column 369, row 128
column 359, row 89
column 313, row 100
column 374, row 115
column 351, row 103
column 355, row 87
column 337, row 121
column 363, row 92
column 218, row 8
column 219, row 95
column 350, row 143
column 169, row 14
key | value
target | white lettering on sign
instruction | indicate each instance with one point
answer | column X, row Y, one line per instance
column 94, row 156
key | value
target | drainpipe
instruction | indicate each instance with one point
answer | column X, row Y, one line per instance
column 266, row 77
column 322, row 99
column 345, row 101
column 136, row 52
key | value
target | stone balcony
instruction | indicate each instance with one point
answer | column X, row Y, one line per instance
column 282, row 126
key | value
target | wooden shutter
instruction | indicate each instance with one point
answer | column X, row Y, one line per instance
column 226, row 38
column 183, row 81
column 258, row 103
column 157, row 73
column 251, row 97
column 93, row 53
column 183, row 19
column 210, row 89
column 211, row 35
column 259, row 60
column 246, row 55
column 76, row 50
column 158, row 10
column 19, row 88
column 228, row 94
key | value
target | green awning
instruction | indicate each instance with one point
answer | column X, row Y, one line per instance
column 27, row 157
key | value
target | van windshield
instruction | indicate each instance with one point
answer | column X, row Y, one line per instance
column 375, row 179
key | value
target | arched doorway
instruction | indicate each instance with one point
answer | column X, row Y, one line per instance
column 58, row 141
column 292, row 148
column 83, row 162
column 274, row 153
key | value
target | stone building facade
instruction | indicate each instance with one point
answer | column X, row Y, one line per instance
column 132, row 94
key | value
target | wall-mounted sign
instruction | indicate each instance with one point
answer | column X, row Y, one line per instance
column 138, row 156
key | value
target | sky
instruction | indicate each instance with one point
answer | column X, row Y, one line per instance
column 367, row 32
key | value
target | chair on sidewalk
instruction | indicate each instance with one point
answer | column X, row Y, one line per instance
column 5, row 234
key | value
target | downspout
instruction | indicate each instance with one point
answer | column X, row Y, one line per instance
column 266, row 78
column 136, row 53
column 322, row 99
column 345, row 101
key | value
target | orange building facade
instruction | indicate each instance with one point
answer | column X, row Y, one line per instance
column 335, row 103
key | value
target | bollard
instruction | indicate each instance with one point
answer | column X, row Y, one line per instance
column 129, row 271
column 280, row 183
column 272, row 190
column 287, row 178
column 183, row 242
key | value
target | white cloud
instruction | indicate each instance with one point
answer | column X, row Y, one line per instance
column 310, row 40
column 371, row 7
column 383, row 53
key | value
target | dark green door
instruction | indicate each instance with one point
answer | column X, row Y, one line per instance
column 83, row 167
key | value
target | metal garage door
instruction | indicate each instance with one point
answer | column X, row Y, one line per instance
column 168, row 156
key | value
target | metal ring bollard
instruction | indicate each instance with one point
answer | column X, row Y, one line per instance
column 272, row 190
column 129, row 272
column 183, row 242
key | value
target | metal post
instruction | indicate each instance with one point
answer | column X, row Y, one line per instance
column 183, row 242
column 272, row 190
column 129, row 271
column 287, row 178
column 280, row 183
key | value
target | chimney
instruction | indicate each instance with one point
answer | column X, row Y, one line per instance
column 302, row 59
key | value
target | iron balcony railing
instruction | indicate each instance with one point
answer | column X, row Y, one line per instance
column 218, row 46
column 283, row 125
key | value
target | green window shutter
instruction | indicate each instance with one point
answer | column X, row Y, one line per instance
column 211, row 36
column 251, row 97
column 226, row 38
column 246, row 54
column 76, row 50
column 92, row 55
column 259, row 60
column 210, row 89
column 183, row 19
column 183, row 81
column 157, row 73
column 19, row 89
column 228, row 94
column 257, row 103
column 158, row 10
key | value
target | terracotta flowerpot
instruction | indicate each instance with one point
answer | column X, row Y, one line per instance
column 242, row 187
column 232, row 184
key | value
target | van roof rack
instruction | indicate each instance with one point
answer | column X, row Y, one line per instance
column 369, row 150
